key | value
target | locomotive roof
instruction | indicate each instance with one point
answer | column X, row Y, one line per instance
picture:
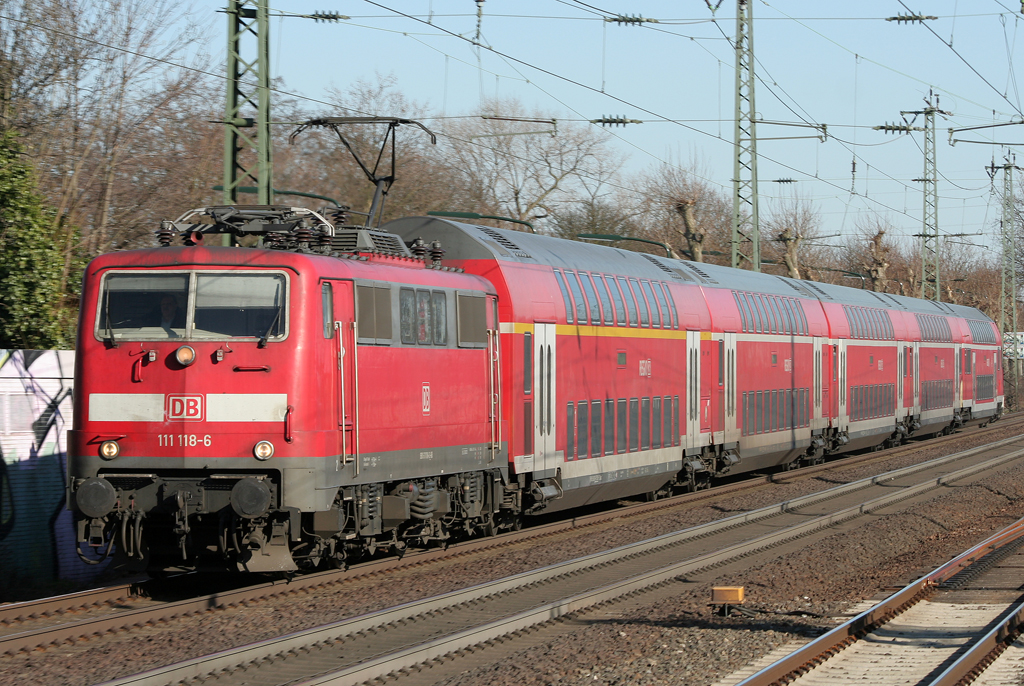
column 463, row 241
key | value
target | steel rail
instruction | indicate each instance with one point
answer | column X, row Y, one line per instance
column 984, row 651
column 381, row 666
column 25, row 611
column 812, row 654
column 70, row 602
column 55, row 635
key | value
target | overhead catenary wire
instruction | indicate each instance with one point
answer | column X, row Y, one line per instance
column 334, row 104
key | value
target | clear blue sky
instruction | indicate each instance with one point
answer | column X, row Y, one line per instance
column 839, row 64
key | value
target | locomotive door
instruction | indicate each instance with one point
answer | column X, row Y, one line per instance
column 339, row 303
column 732, row 429
column 693, row 389
column 544, row 408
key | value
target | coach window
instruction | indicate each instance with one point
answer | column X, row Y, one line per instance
column 634, row 424
column 675, row 420
column 645, row 423
column 772, row 303
column 609, row 426
column 744, row 316
column 327, row 302
column 565, row 296
column 606, row 301
column 765, row 326
column 656, row 422
column 773, row 417
column 790, row 306
column 799, row 307
column 744, row 403
column 630, row 301
column 787, row 323
column 673, row 310
column 759, row 413
column 620, row 426
column 967, row 361
column 794, row 323
column 577, row 295
column 595, row 428
column 752, row 306
column 645, row 317
column 666, row 423
column 655, row 316
column 769, row 305
column 582, row 428
column 762, row 316
column 620, row 307
column 471, row 313
column 527, row 363
column 570, row 430
column 407, row 312
column 588, row 288
column 668, row 319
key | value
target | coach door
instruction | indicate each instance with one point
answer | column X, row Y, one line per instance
column 732, row 430
column 693, row 389
column 544, row 375
column 340, row 329
column 817, row 385
column 915, row 381
column 843, row 419
column 493, row 377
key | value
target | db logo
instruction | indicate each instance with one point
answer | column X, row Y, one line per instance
column 188, row 408
column 426, row 398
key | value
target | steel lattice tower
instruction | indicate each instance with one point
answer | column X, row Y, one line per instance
column 745, row 225
column 247, row 145
column 1008, row 295
column 930, row 289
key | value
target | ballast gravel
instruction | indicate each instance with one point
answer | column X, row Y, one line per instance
column 675, row 642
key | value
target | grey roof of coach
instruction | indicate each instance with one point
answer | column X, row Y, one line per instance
column 472, row 242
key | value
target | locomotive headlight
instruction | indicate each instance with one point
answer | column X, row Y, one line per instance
column 109, row 450
column 264, row 450
column 185, row 355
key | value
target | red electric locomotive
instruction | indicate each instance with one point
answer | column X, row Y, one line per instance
column 332, row 391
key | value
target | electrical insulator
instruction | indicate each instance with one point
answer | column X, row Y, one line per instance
column 615, row 121
column 328, row 16
column 910, row 18
column 631, row 20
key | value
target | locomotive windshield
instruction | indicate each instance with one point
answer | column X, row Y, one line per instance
column 192, row 305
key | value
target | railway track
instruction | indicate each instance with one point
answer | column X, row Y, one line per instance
column 400, row 640
column 944, row 629
column 36, row 625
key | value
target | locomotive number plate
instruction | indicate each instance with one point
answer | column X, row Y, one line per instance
column 183, row 440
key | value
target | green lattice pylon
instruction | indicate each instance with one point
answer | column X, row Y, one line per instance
column 746, row 234
column 247, row 144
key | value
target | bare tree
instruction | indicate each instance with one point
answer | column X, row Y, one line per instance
column 676, row 204
column 791, row 222
column 498, row 163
